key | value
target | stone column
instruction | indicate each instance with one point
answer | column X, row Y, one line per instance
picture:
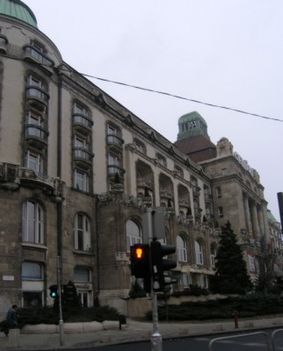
column 247, row 214
column 260, row 219
column 255, row 221
column 156, row 189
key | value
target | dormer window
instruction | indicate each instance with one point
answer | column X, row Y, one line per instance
column 161, row 160
column 140, row 146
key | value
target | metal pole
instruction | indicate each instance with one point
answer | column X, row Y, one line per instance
column 59, row 284
column 156, row 338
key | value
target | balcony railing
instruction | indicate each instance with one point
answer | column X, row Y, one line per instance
column 36, row 93
column 80, row 120
column 113, row 170
column 114, row 140
column 82, row 154
column 31, row 53
column 36, row 133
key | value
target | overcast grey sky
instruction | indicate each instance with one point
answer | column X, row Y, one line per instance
column 227, row 52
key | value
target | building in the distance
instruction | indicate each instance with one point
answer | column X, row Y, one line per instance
column 78, row 170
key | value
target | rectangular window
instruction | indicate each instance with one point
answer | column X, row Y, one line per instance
column 33, row 223
column 114, row 159
column 31, row 271
column 35, row 82
column 218, row 192
column 81, row 180
column 82, row 275
column 79, row 109
column 32, row 299
column 33, row 161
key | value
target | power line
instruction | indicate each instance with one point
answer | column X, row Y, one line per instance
column 183, row 98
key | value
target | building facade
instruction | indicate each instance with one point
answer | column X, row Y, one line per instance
column 78, row 171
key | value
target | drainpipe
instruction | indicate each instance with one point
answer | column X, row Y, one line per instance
column 59, row 174
column 97, row 245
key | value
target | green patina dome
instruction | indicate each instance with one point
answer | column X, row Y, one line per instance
column 17, row 9
column 191, row 124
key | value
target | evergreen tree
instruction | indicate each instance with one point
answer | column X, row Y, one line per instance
column 231, row 275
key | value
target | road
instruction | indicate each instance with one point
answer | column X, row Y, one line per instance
column 252, row 341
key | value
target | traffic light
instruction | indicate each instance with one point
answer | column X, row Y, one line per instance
column 70, row 299
column 160, row 265
column 140, row 264
column 53, row 291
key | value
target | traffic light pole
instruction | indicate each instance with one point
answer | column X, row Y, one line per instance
column 156, row 338
column 61, row 323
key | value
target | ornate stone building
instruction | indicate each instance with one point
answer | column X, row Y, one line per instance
column 236, row 189
column 78, row 170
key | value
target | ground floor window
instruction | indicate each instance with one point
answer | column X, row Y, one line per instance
column 84, row 298
column 32, row 299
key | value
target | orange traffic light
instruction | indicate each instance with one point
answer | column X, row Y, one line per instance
column 139, row 252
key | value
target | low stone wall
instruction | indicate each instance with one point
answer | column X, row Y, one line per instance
column 203, row 298
column 79, row 327
column 137, row 308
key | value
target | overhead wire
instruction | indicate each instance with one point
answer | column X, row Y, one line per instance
column 183, row 98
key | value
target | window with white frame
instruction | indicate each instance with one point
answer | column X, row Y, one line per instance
column 33, row 223
column 81, row 180
column 33, row 160
column 199, row 253
column 83, row 277
column 80, row 109
column 113, row 130
column 35, row 82
column 32, row 276
column 32, row 271
column 133, row 233
column 114, row 159
column 181, row 249
column 82, row 233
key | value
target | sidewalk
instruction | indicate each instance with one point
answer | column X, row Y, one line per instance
column 132, row 332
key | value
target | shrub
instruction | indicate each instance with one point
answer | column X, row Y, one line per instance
column 47, row 315
column 248, row 306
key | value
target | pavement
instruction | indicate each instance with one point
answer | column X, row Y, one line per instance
column 77, row 336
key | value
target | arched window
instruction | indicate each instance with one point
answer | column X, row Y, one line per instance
column 133, row 233
column 181, row 249
column 82, row 238
column 33, row 223
column 199, row 252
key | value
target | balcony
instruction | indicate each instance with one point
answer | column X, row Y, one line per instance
column 82, row 123
column 39, row 98
column 113, row 170
column 115, row 141
column 83, row 156
column 36, row 135
column 32, row 54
